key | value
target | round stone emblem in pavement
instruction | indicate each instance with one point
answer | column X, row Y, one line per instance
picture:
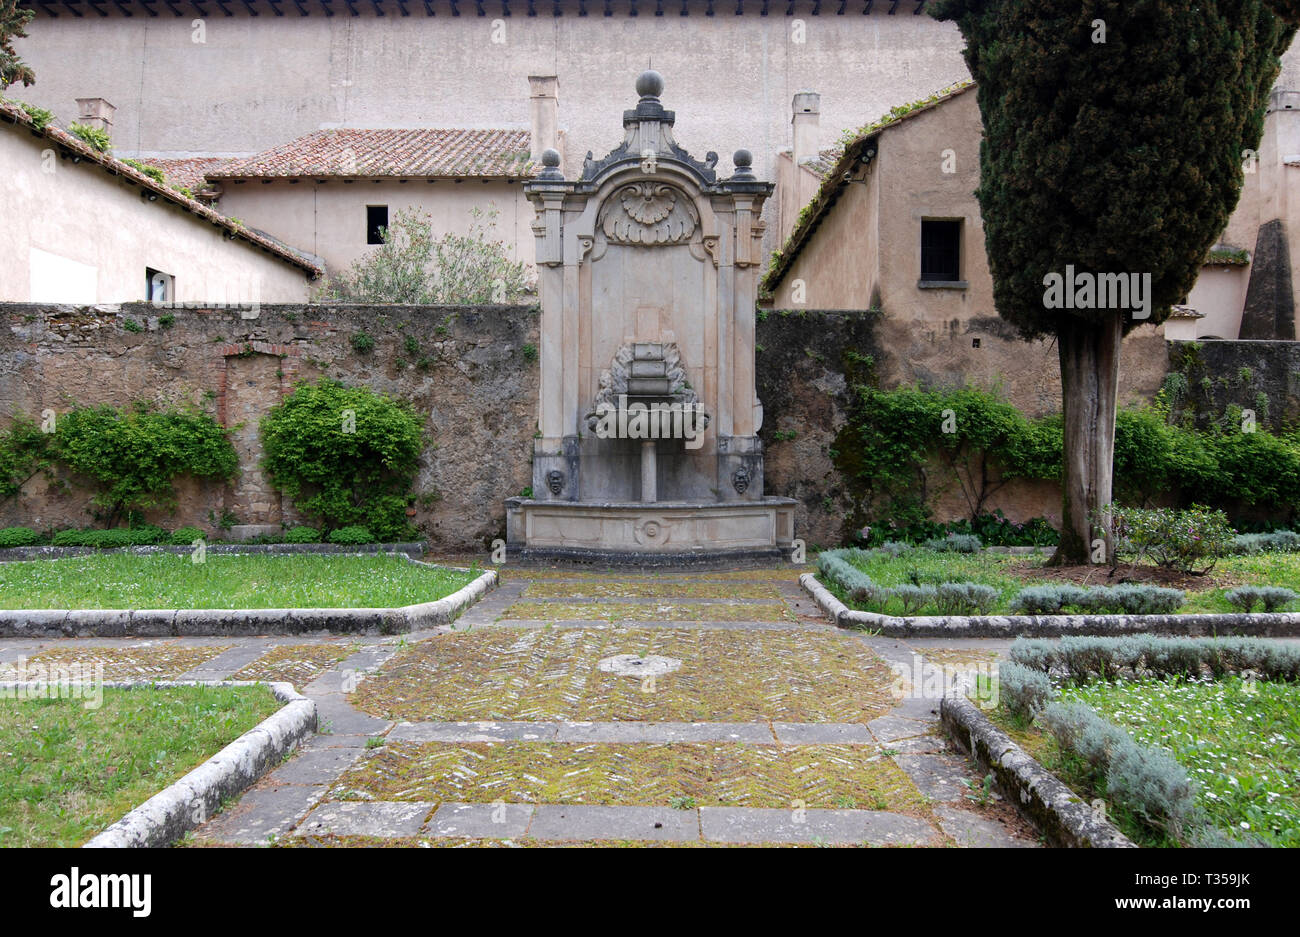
column 631, row 665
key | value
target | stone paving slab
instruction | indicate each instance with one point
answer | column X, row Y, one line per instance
column 917, row 745
column 366, row 819
column 664, row 732
column 226, row 663
column 875, row 827
column 318, row 766
column 892, row 728
column 937, row 776
column 823, row 733
column 262, row 813
column 318, row 742
column 336, row 717
column 786, row 733
column 972, row 830
column 480, row 821
column 472, row 731
column 578, row 821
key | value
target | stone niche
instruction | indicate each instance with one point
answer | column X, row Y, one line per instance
column 648, row 418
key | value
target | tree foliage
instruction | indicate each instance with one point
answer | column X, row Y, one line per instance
column 345, row 455
column 1117, row 155
column 413, row 267
column 12, row 20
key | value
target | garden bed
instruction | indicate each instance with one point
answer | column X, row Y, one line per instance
column 1009, row 574
column 1183, row 743
column 68, row 772
column 224, row 581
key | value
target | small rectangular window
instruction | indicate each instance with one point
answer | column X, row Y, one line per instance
column 159, row 287
column 376, row 223
column 940, row 251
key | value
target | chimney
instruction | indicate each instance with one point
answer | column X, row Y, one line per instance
column 806, row 124
column 97, row 113
column 543, row 113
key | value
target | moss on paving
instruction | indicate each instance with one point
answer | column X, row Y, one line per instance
column 67, row 772
column 712, row 774
column 332, row 841
column 776, row 573
column 142, row 662
column 540, row 674
column 626, row 611
column 651, row 589
column 298, row 664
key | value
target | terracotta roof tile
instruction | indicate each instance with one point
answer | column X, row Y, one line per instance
column 190, row 172
column 401, row 152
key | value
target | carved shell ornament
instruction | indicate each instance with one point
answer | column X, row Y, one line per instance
column 648, row 213
column 648, row 203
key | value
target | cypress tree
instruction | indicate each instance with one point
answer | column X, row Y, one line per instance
column 1116, row 134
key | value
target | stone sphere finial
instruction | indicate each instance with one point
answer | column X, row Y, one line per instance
column 742, row 159
column 551, row 165
column 650, row 84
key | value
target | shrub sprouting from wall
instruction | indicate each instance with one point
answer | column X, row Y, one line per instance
column 135, row 455
column 412, row 266
column 346, row 456
column 24, row 451
column 901, row 447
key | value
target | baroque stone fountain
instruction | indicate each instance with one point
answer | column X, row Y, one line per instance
column 648, row 422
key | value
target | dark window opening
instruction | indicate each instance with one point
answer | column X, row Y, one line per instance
column 376, row 223
column 158, row 286
column 941, row 250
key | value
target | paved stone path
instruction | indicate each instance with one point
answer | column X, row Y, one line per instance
column 502, row 729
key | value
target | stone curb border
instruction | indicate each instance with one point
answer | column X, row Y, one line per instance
column 411, row 549
column 1055, row 810
column 1258, row 624
column 223, row 622
column 185, row 804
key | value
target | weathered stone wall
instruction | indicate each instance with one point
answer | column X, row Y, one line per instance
column 1212, row 377
column 478, row 388
column 809, row 360
column 473, row 376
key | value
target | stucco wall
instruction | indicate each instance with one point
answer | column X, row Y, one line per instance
column 258, row 82
column 91, row 237
column 477, row 388
column 329, row 219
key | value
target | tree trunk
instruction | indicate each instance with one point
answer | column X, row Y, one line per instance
column 1089, row 389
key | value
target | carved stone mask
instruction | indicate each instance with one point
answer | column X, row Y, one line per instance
column 740, row 480
column 555, row 481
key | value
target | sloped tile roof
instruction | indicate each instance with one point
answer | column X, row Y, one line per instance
column 13, row 115
column 400, row 152
column 189, row 172
column 840, row 158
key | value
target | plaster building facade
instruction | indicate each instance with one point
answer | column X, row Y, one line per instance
column 93, row 229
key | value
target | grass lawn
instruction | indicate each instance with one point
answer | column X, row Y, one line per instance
column 1240, row 744
column 67, row 772
column 1009, row 574
column 123, row 580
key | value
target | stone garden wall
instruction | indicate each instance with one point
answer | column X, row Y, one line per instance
column 471, row 370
